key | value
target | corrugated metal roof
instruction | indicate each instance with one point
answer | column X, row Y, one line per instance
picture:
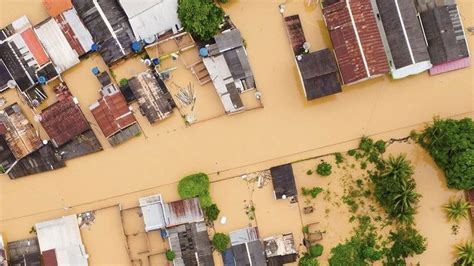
column 77, row 35
column 56, row 44
column 191, row 244
column 279, row 245
column 56, row 7
column 25, row 249
column 243, row 235
column 228, row 40
column 295, row 33
column 5, row 76
column 183, row 211
column 152, row 17
column 34, row 46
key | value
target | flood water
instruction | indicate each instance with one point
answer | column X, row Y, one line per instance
column 287, row 128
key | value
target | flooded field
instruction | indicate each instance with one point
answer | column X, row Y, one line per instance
column 287, row 128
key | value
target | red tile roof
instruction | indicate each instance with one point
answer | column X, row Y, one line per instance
column 35, row 47
column 112, row 114
column 56, row 7
column 346, row 31
column 64, row 119
column 295, row 33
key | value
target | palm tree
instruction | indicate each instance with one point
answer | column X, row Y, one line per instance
column 398, row 167
column 404, row 202
column 465, row 254
column 457, row 209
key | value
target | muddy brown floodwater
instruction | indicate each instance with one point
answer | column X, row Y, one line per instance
column 286, row 129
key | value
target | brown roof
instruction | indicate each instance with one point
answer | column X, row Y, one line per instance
column 56, row 7
column 49, row 257
column 295, row 33
column 64, row 119
column 183, row 211
column 112, row 114
column 357, row 60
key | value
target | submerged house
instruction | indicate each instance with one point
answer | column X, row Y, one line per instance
column 191, row 245
column 24, row 252
column 64, row 38
column 229, row 69
column 445, row 35
column 280, row 249
column 283, row 179
column 151, row 18
column 60, row 242
column 114, row 117
column 246, row 248
column 67, row 126
column 25, row 59
column 356, row 39
column 404, row 41
column 109, row 27
column 154, row 99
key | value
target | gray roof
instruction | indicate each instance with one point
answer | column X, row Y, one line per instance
column 228, row 40
column 283, row 181
column 24, row 250
column 243, row 235
column 239, row 65
column 191, row 244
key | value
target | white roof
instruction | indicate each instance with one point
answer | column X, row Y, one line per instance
column 151, row 17
column 244, row 235
column 64, row 237
column 152, row 210
column 80, row 32
column 56, row 45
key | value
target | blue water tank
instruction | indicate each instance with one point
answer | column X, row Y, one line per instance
column 156, row 61
column 42, row 80
column 94, row 47
column 203, row 52
column 95, row 71
column 136, row 47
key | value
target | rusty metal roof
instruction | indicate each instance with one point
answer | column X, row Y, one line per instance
column 183, row 211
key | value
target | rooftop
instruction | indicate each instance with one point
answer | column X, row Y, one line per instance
column 56, row 7
column 78, row 37
column 280, row 248
column 283, row 181
column 153, row 212
column 24, row 250
column 182, row 212
column 243, row 235
column 295, row 33
column 191, row 244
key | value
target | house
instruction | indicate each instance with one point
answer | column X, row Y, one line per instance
column 67, row 126
column 246, row 248
column 6, row 78
column 184, row 211
column 152, row 18
column 64, row 38
column 153, row 212
column 24, row 252
column 280, row 249
column 445, row 35
column 153, row 97
column 356, row 40
column 229, row 69
column 115, row 119
column 56, row 7
column 109, row 27
column 403, row 37
column 25, row 59
column 191, row 245
column 60, row 242
column 283, row 180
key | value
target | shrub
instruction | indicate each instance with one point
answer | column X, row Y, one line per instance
column 309, row 172
column 465, row 254
column 339, row 157
column 313, row 192
column 308, row 260
column 306, row 229
column 457, row 209
column 220, row 242
column 407, row 241
column 195, row 185
column 170, row 255
column 451, row 145
column 123, row 82
column 324, row 169
column 201, row 18
column 316, row 250
column 212, row 212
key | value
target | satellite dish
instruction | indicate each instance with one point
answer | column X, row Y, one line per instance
column 35, row 103
column 299, row 57
column 306, row 46
column 147, row 62
column 283, row 196
column 45, row 141
column 11, row 84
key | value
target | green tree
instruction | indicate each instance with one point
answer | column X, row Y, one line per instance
column 201, row 18
column 170, row 255
column 195, row 185
column 308, row 260
column 220, row 242
column 406, row 242
column 212, row 212
column 316, row 250
column 451, row 144
column 465, row 254
column 457, row 209
column 324, row 169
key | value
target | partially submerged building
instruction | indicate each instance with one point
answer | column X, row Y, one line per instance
column 283, row 179
column 153, row 97
column 403, row 37
column 229, row 69
column 60, row 242
column 24, row 252
column 67, row 126
column 246, row 248
column 152, row 208
column 444, row 31
column 151, row 18
column 317, row 70
column 191, row 245
column 114, row 117
column 280, row 249
column 356, row 39
column 109, row 27
column 25, row 59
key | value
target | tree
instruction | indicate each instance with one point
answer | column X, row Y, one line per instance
column 170, row 255
column 407, row 241
column 324, row 169
column 457, row 209
column 212, row 212
column 308, row 260
column 465, row 255
column 316, row 250
column 451, row 145
column 201, row 18
column 220, row 242
column 195, row 185
column 313, row 192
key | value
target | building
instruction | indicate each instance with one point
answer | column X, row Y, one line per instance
column 153, row 97
column 114, row 117
column 60, row 242
column 280, row 249
column 229, row 69
column 64, row 38
column 6, row 79
column 25, row 59
column 67, row 126
column 184, row 211
column 403, row 37
column 3, row 253
column 191, row 245
column 153, row 212
column 152, row 18
column 246, row 248
column 356, row 40
column 56, row 7
column 445, row 35
column 283, row 180
column 24, row 252
column 109, row 27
